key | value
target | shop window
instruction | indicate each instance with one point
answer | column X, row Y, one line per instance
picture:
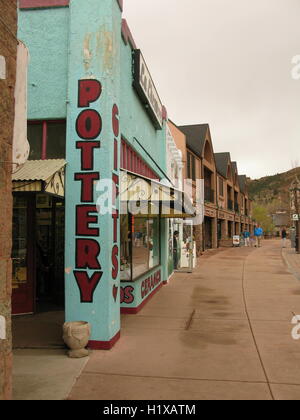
column 47, row 139
column 35, row 138
column 140, row 246
column 221, row 187
column 56, row 140
column 191, row 166
column 126, row 249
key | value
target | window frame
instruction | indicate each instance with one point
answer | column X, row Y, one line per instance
column 133, row 279
column 44, row 139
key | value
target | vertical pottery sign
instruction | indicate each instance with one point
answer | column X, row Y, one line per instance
column 88, row 271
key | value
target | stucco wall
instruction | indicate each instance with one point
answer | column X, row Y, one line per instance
column 46, row 34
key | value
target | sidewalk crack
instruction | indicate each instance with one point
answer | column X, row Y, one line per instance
column 190, row 320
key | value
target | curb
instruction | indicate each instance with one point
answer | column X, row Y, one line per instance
column 290, row 268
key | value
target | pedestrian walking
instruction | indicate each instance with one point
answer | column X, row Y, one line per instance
column 252, row 239
column 284, row 237
column 246, row 236
column 175, row 250
column 258, row 233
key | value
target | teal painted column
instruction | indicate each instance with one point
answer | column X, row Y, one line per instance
column 93, row 139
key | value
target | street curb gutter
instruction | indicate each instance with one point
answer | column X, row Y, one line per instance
column 290, row 268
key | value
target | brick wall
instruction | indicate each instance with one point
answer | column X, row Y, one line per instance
column 8, row 49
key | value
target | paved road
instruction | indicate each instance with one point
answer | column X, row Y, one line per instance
column 223, row 332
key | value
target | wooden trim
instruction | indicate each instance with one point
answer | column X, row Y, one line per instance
column 104, row 345
column 33, row 4
column 127, row 35
column 41, row 4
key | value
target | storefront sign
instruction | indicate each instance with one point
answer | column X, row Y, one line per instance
column 150, row 284
column 89, row 271
column 127, row 295
column 88, row 127
column 236, row 240
column 145, row 88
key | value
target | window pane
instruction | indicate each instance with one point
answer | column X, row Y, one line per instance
column 35, row 137
column 189, row 166
column 56, row 140
column 125, row 248
column 153, row 242
column 193, row 168
column 145, row 246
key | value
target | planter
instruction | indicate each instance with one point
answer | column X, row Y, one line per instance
column 76, row 335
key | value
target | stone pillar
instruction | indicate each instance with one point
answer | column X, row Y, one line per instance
column 92, row 179
column 224, row 226
column 198, row 233
column 8, row 53
column 215, row 232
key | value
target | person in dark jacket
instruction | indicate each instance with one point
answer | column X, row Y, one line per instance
column 175, row 249
column 284, row 237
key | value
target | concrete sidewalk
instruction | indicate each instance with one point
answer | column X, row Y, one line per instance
column 223, row 332
column 292, row 260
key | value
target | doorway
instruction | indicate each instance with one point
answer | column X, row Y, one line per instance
column 38, row 253
column 207, row 233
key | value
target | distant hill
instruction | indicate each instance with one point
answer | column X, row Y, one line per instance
column 272, row 192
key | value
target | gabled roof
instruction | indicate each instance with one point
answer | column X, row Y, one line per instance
column 195, row 137
column 235, row 170
column 234, row 167
column 222, row 162
column 243, row 183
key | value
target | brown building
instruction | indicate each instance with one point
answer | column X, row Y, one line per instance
column 199, row 144
column 8, row 54
column 234, row 204
column 227, row 206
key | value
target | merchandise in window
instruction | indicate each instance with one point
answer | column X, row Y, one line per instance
column 140, row 246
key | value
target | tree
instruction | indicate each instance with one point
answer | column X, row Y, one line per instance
column 260, row 214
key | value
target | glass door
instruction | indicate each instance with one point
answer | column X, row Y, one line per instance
column 187, row 246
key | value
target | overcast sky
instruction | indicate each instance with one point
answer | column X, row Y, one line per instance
column 227, row 63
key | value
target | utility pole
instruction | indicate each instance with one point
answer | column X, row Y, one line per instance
column 295, row 189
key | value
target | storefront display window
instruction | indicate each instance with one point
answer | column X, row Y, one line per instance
column 140, row 246
column 125, row 248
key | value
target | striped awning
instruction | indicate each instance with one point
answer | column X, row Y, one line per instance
column 151, row 198
column 41, row 176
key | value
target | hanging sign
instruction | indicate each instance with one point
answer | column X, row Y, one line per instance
column 146, row 90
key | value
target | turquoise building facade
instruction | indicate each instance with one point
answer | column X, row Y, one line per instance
column 85, row 69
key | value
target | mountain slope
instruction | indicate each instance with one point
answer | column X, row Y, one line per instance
column 273, row 192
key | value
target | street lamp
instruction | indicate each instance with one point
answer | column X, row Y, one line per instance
column 295, row 189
